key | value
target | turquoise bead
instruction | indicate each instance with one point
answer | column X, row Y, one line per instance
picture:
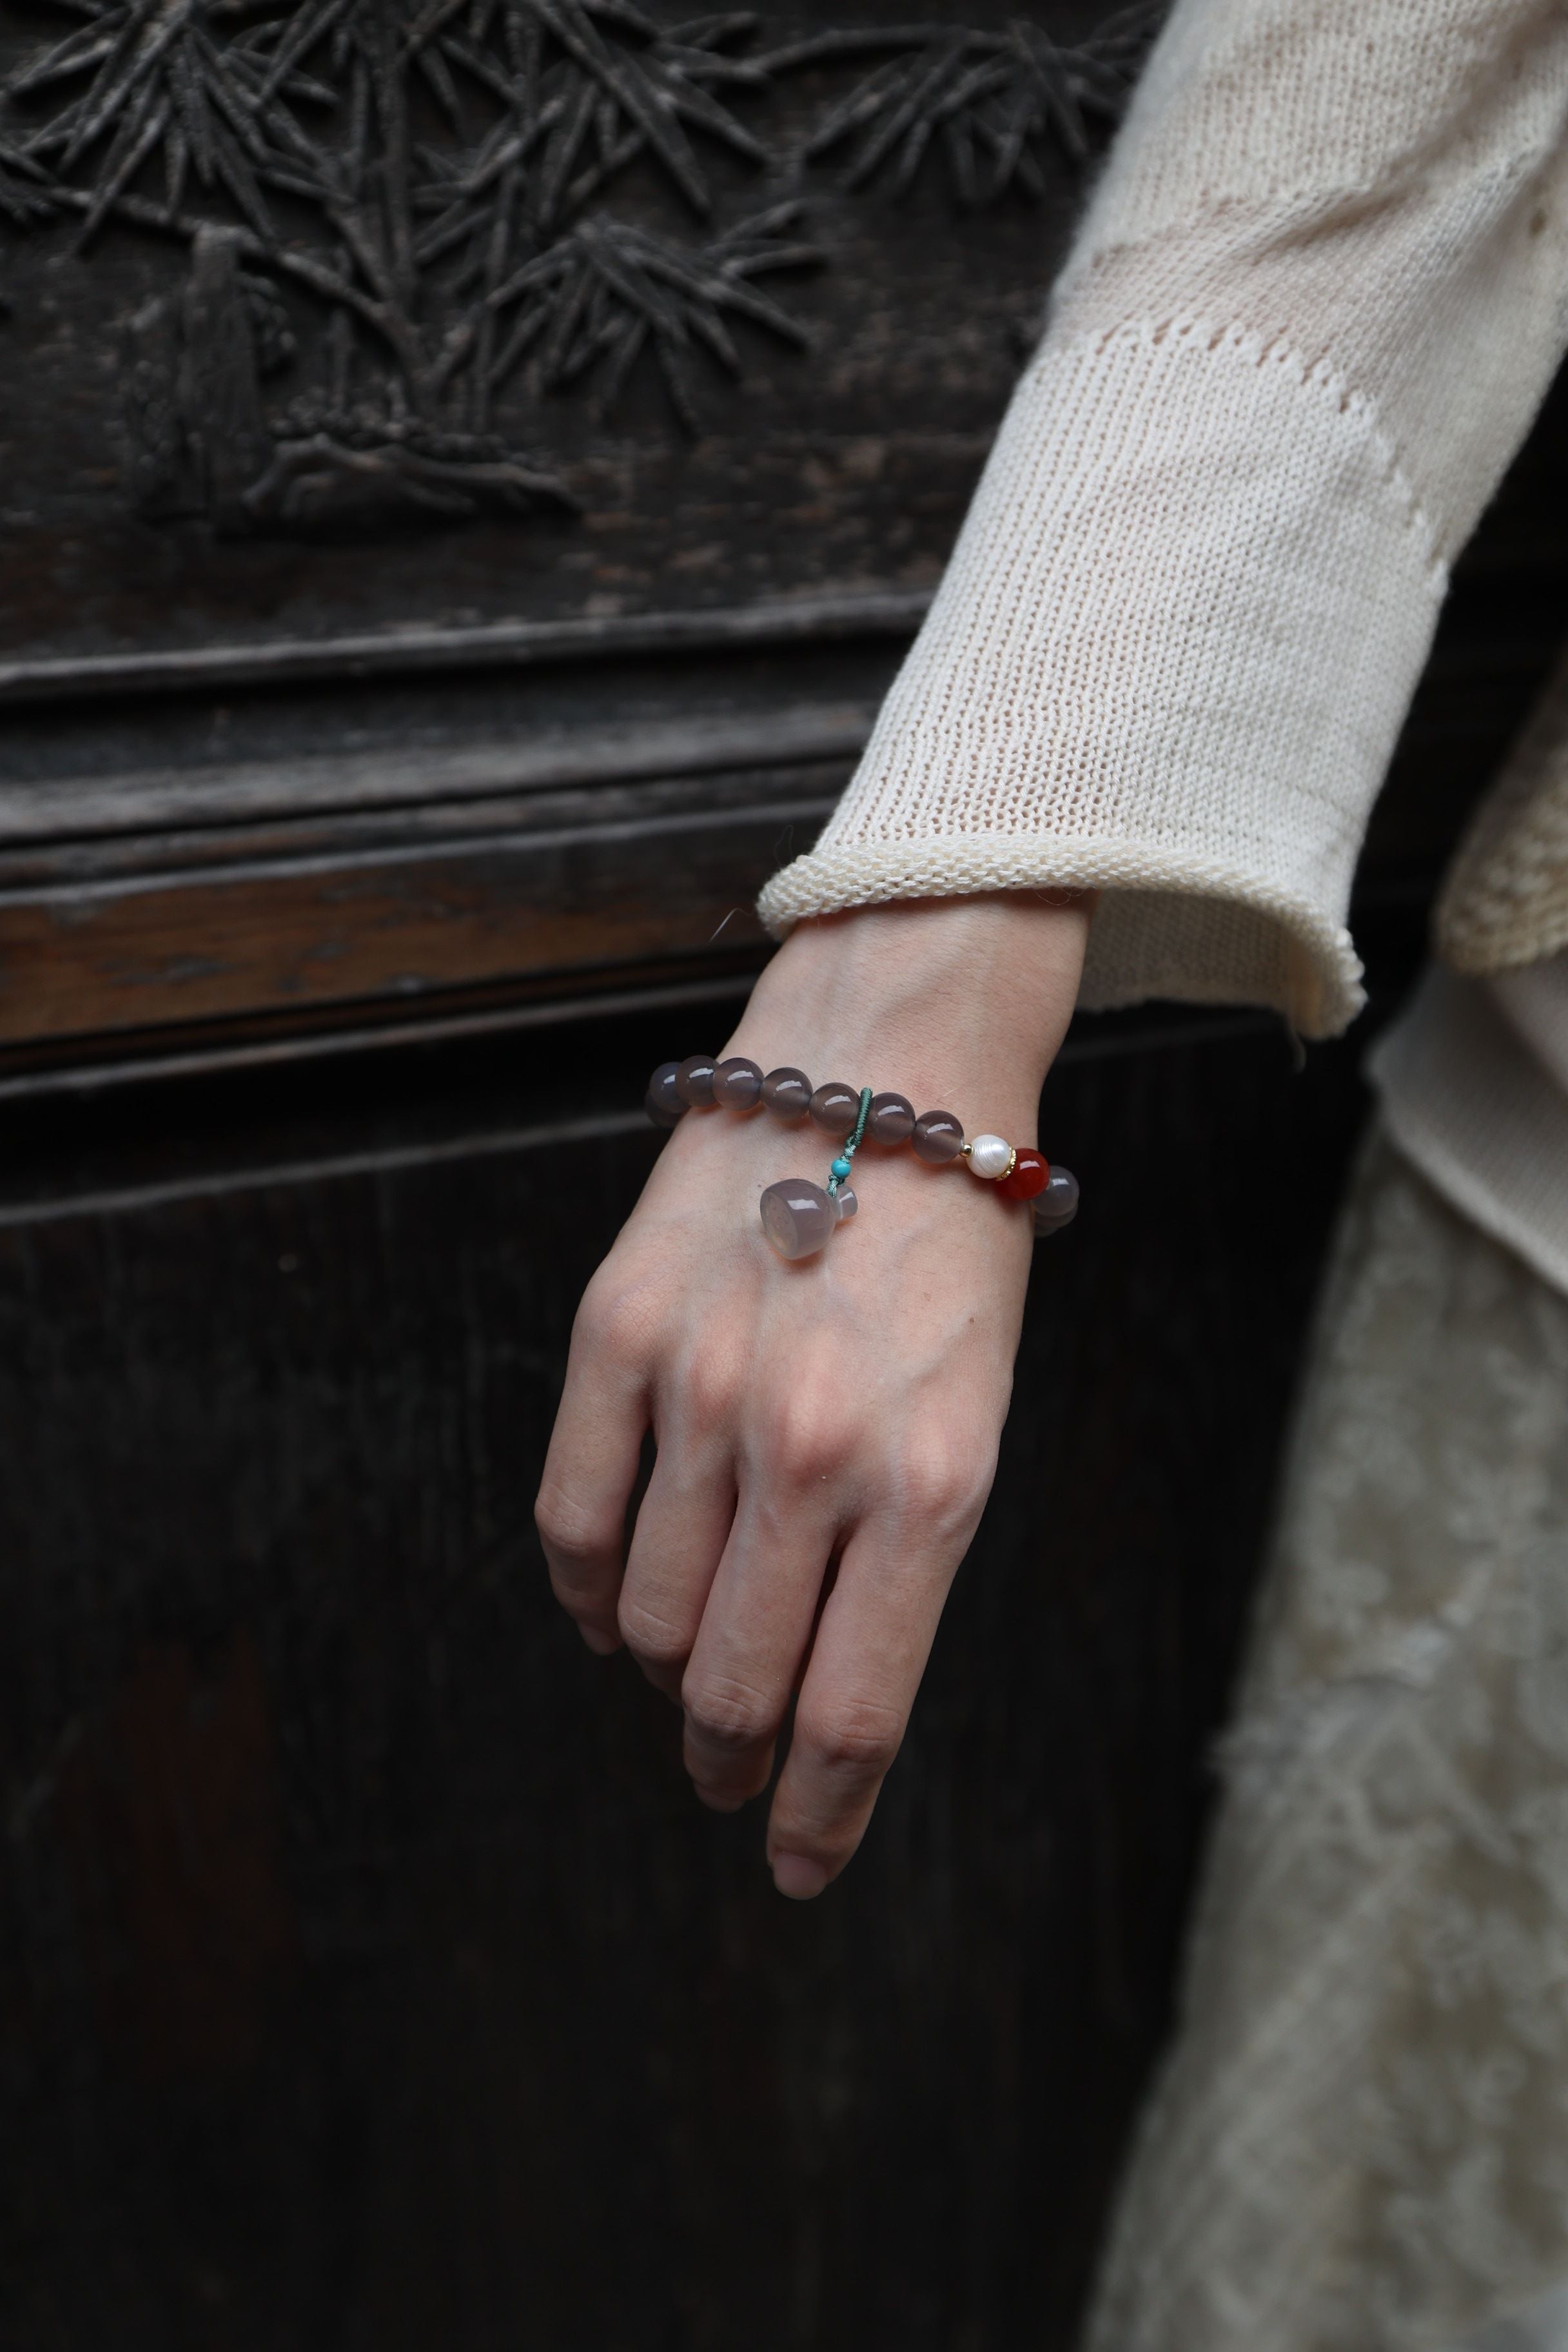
column 840, row 1168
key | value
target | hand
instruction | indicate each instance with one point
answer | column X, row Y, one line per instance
column 827, row 1431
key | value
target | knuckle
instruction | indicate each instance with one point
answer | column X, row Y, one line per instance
column 654, row 1639
column 728, row 1717
column 618, row 1317
column 810, row 1438
column 575, row 1536
column 858, row 1736
column 940, row 1483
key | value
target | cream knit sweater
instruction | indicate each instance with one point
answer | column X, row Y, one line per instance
column 1314, row 307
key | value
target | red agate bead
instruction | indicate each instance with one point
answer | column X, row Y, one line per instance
column 1031, row 1174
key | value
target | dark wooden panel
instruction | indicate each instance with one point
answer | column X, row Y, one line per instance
column 370, row 1976
column 367, row 1974
column 411, row 649
column 206, row 811
column 620, row 884
column 263, row 854
column 223, row 390
column 395, row 837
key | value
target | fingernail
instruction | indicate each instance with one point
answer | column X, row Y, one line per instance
column 796, row 1876
column 600, row 1644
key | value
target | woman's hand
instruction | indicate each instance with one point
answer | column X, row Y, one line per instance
column 827, row 1431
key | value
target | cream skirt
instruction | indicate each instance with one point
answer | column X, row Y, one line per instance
column 1360, row 2139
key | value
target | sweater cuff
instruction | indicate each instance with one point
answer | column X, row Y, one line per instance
column 1169, row 660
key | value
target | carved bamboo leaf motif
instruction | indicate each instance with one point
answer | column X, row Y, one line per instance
column 996, row 100
column 447, row 154
column 598, row 296
column 161, row 80
column 24, row 185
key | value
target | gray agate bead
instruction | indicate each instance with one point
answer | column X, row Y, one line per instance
column 892, row 1119
column 694, row 1081
column 937, row 1139
column 661, row 1102
column 786, row 1093
column 737, row 1084
column 835, row 1108
column 1057, row 1205
column 798, row 1216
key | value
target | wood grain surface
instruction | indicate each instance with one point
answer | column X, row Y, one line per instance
column 368, row 1975
column 311, row 916
column 372, row 1975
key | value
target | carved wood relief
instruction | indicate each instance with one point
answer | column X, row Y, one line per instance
column 468, row 470
column 404, row 225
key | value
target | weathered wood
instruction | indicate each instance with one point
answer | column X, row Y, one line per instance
column 57, row 808
column 376, row 807
column 89, row 958
column 372, row 1974
column 160, row 1055
column 400, row 651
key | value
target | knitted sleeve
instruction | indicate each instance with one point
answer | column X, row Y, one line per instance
column 1313, row 307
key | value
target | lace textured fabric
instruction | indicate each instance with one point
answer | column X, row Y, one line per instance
column 1360, row 2139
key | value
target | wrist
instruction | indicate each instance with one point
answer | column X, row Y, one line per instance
column 961, row 1002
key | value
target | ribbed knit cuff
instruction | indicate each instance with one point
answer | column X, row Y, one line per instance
column 1169, row 659
column 1209, row 935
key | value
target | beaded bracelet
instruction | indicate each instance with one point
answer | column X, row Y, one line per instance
column 798, row 1215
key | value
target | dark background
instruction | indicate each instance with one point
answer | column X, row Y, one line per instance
column 368, row 1975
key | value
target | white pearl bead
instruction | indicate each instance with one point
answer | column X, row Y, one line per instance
column 989, row 1155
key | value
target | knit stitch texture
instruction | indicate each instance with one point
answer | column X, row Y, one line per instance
column 1311, row 312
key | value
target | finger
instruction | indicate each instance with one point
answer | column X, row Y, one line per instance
column 754, row 1634
column 870, row 1651
column 592, row 1466
column 683, row 1524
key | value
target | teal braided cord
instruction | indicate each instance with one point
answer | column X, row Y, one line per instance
column 860, row 1123
column 853, row 1143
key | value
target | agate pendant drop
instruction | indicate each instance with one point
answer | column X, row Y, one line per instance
column 798, row 1215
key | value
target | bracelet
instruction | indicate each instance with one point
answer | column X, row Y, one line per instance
column 797, row 1215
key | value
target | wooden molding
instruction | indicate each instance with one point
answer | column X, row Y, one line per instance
column 510, row 643
column 290, row 921
column 55, row 810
